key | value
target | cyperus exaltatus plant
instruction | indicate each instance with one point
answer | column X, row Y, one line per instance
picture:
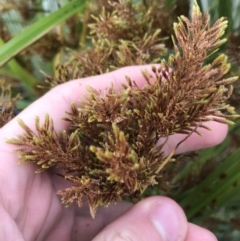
column 111, row 149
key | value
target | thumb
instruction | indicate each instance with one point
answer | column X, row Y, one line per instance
column 154, row 218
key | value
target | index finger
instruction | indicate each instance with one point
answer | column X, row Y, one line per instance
column 57, row 101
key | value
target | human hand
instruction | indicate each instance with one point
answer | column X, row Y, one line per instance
column 30, row 210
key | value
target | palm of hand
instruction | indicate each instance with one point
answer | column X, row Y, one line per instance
column 36, row 213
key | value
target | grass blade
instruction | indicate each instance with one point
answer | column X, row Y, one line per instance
column 37, row 30
column 222, row 185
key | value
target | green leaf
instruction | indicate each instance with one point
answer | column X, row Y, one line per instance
column 202, row 157
column 14, row 70
column 38, row 29
column 222, row 185
column 225, row 8
column 170, row 3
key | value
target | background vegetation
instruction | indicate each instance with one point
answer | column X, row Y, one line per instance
column 44, row 35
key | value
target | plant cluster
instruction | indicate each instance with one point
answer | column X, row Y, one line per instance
column 122, row 33
column 112, row 148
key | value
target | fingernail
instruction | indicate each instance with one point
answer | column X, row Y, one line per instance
column 165, row 220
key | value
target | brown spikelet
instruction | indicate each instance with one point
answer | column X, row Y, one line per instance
column 112, row 149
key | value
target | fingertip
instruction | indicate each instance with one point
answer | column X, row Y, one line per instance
column 197, row 233
column 168, row 220
column 208, row 139
column 195, row 142
column 217, row 134
column 154, row 218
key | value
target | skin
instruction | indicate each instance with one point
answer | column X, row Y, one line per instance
column 30, row 210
